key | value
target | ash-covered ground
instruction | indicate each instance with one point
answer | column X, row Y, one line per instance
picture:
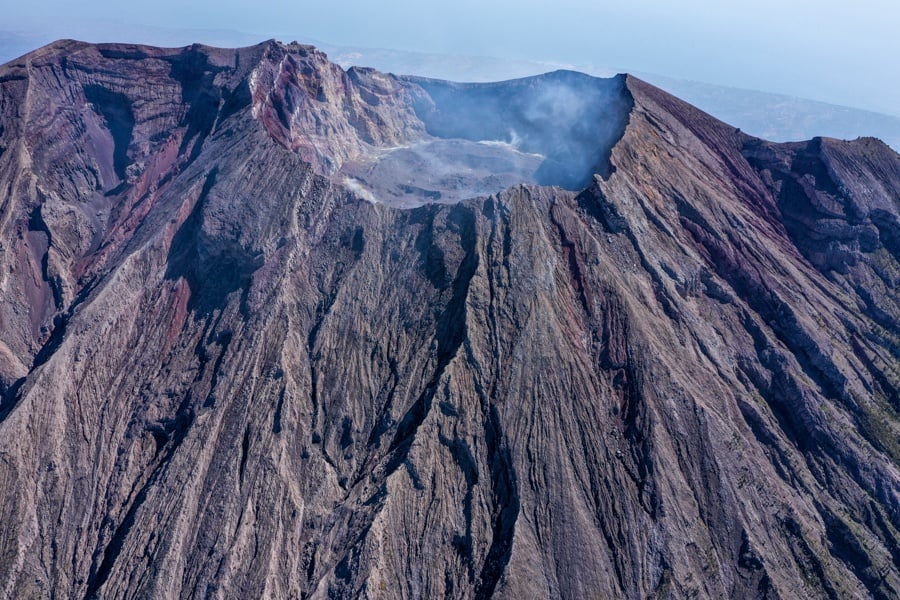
column 439, row 170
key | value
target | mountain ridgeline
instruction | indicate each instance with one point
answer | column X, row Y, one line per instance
column 270, row 328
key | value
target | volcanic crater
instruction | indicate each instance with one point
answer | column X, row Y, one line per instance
column 555, row 129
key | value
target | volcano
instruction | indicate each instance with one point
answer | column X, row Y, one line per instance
column 270, row 328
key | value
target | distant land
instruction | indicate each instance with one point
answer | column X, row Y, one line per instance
column 775, row 117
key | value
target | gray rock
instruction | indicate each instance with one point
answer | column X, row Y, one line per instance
column 225, row 373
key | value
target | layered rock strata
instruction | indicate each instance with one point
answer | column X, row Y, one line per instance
column 663, row 364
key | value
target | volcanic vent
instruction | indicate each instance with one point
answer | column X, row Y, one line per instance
column 554, row 129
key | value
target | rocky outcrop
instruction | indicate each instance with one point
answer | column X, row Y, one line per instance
column 227, row 373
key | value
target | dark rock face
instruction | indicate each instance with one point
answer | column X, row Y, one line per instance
column 225, row 373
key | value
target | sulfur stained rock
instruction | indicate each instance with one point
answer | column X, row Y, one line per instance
column 226, row 373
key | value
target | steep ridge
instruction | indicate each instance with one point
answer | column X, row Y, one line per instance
column 227, row 372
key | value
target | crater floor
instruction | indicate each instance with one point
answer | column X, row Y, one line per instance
column 440, row 171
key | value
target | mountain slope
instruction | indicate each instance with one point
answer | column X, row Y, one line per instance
column 227, row 373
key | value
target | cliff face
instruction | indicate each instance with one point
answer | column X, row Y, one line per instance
column 237, row 362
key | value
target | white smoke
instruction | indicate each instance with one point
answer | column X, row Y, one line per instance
column 515, row 140
column 355, row 186
column 570, row 119
column 511, row 147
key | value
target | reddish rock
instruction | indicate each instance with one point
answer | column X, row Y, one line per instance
column 663, row 365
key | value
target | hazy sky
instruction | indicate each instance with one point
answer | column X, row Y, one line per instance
column 841, row 52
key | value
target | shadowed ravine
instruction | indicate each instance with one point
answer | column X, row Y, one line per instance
column 275, row 329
